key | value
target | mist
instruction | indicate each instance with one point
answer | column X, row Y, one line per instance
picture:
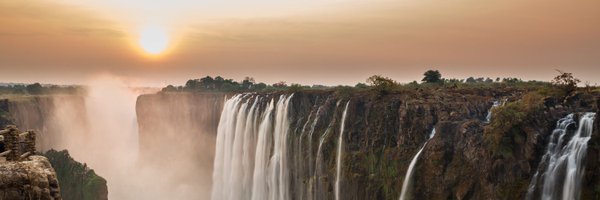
column 100, row 128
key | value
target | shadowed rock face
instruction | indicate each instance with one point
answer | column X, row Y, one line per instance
column 31, row 179
column 382, row 134
column 78, row 182
column 47, row 115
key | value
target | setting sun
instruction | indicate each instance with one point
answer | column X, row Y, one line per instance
column 153, row 39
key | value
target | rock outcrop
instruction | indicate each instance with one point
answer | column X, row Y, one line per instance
column 33, row 178
column 78, row 182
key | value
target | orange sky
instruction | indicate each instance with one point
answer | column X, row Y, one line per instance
column 331, row 42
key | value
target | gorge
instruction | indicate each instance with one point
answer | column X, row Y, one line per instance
column 327, row 144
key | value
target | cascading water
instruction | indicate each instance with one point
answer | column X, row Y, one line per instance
column 339, row 153
column 251, row 156
column 410, row 172
column 318, row 185
column 561, row 169
column 488, row 118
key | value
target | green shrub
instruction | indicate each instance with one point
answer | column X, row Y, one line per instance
column 507, row 128
column 76, row 180
column 382, row 85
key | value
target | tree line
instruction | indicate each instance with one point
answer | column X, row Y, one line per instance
column 431, row 78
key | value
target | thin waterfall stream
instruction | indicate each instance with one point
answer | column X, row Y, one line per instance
column 406, row 185
column 339, row 153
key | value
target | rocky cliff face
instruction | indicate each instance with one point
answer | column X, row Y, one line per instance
column 77, row 180
column 47, row 115
column 384, row 132
column 31, row 179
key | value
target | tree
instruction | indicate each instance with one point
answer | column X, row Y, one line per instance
column 207, row 83
column 566, row 81
column 169, row 88
column 470, row 80
column 260, row 86
column 35, row 88
column 361, row 85
column 381, row 84
column 248, row 82
column 280, row 84
column 432, row 76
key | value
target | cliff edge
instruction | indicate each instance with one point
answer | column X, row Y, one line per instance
column 33, row 178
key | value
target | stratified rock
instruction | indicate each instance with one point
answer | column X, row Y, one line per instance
column 33, row 178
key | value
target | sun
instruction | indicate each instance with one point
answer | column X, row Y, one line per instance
column 154, row 40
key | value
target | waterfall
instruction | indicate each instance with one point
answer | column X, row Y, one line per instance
column 410, row 172
column 311, row 165
column 251, row 153
column 561, row 169
column 488, row 118
column 339, row 153
column 317, row 185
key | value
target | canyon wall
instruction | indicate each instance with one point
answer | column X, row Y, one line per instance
column 382, row 134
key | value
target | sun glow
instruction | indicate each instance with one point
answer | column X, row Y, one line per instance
column 154, row 40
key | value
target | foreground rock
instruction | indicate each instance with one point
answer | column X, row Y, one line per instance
column 31, row 179
column 78, row 181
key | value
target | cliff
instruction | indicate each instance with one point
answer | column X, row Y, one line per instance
column 48, row 115
column 77, row 180
column 30, row 179
column 468, row 158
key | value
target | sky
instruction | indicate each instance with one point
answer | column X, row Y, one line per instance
column 328, row 42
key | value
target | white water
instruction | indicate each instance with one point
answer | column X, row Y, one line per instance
column 319, row 159
column 488, row 118
column 410, row 172
column 339, row 154
column 561, row 169
column 251, row 160
column 311, row 165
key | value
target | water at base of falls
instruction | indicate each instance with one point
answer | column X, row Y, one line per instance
column 561, row 169
column 406, row 185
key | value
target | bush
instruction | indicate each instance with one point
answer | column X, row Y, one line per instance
column 510, row 120
column 566, row 81
column 382, row 85
column 295, row 88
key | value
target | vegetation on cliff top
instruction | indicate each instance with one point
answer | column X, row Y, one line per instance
column 77, row 181
column 37, row 89
column 508, row 129
column 432, row 79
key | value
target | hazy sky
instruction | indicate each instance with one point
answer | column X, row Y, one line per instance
column 324, row 42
